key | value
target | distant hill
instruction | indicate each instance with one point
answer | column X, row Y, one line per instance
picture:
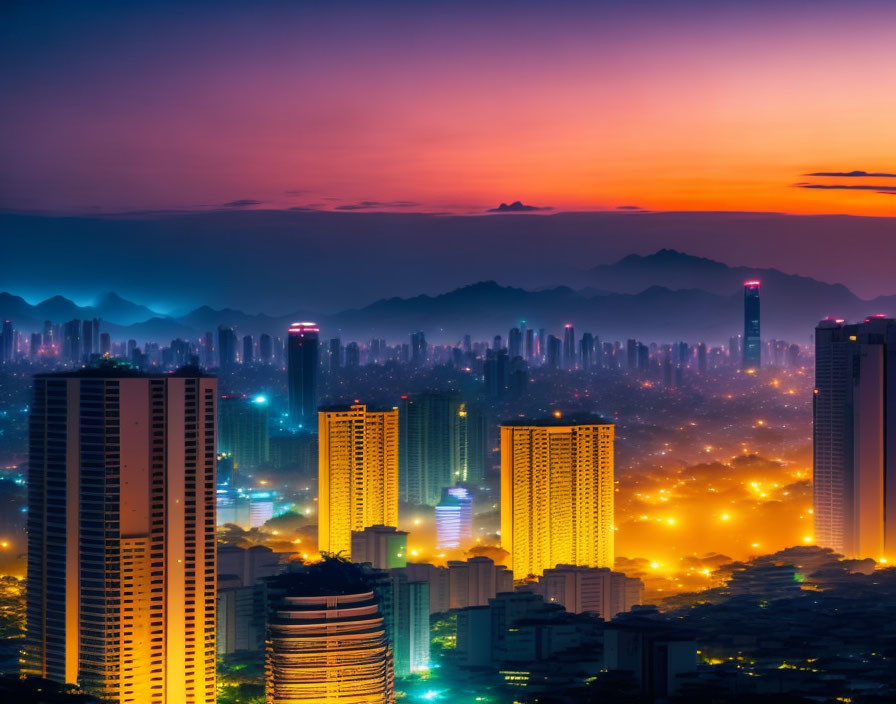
column 660, row 297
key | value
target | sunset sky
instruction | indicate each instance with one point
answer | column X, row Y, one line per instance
column 409, row 106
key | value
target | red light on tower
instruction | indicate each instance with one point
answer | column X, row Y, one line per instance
column 301, row 328
column 751, row 284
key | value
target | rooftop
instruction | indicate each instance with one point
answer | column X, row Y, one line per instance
column 116, row 369
column 558, row 421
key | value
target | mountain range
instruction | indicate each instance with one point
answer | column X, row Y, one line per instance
column 664, row 296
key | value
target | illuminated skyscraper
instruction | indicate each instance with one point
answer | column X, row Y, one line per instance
column 121, row 534
column 454, row 519
column 554, row 347
column 854, row 438
column 473, row 444
column 752, row 343
column 557, row 493
column 302, row 356
column 243, row 430
column 357, row 473
column 326, row 638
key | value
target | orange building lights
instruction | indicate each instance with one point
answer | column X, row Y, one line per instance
column 121, row 559
column 326, row 640
column 357, row 473
column 557, row 493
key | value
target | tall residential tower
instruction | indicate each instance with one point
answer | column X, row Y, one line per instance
column 357, row 473
column 557, row 493
column 121, row 534
column 854, row 437
column 302, row 360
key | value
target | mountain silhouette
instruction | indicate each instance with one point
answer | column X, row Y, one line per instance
column 665, row 296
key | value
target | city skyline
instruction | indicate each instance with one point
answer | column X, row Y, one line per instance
column 448, row 352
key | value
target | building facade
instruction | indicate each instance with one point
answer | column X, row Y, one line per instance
column 121, row 531
column 752, row 351
column 595, row 590
column 557, row 493
column 431, row 445
column 357, row 473
column 854, row 433
column 303, row 351
column 383, row 547
column 326, row 639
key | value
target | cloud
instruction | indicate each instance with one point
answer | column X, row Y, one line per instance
column 852, row 174
column 242, row 203
column 516, row 207
column 847, row 187
column 296, row 192
column 377, row 205
column 629, row 207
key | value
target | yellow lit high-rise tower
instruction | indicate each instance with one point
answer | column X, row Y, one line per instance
column 557, row 493
column 357, row 473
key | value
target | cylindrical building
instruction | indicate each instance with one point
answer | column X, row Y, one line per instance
column 324, row 646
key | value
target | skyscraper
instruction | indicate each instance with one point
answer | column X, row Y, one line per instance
column 514, row 343
column 226, row 347
column 430, row 449
column 357, row 473
column 419, row 349
column 121, row 534
column 326, row 638
column 557, row 493
column 586, row 346
column 243, row 430
column 334, row 355
column 752, row 343
column 6, row 343
column 473, row 444
column 569, row 347
column 265, row 349
column 854, row 437
column 248, row 349
column 302, row 356
column 87, row 347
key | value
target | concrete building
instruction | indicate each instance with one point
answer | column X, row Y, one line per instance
column 121, row 533
column 854, row 433
column 595, row 590
column 357, row 473
column 557, row 493
column 382, row 547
